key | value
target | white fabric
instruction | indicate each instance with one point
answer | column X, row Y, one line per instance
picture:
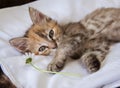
column 15, row 21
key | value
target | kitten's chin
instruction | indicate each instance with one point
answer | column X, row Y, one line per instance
column 52, row 52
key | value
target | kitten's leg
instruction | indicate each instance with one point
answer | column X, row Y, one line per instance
column 66, row 50
column 58, row 62
column 92, row 60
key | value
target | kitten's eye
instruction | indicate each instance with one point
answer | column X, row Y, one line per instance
column 42, row 48
column 51, row 33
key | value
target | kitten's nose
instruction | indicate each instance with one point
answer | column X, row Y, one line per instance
column 53, row 45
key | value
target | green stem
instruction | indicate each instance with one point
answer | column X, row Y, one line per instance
column 62, row 73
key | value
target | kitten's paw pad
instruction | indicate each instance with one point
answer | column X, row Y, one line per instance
column 94, row 66
column 55, row 66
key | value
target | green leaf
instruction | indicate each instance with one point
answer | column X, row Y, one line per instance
column 28, row 60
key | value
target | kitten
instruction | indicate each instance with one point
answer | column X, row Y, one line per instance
column 89, row 39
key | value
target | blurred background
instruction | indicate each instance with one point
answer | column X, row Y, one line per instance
column 9, row 3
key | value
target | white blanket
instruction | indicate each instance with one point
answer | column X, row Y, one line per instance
column 15, row 21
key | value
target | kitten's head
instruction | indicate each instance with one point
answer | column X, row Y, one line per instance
column 43, row 35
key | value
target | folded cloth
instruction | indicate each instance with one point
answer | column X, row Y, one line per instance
column 115, row 84
column 25, row 76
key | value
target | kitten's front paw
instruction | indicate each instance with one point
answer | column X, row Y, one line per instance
column 94, row 66
column 55, row 66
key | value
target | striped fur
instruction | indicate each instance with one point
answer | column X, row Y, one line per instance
column 88, row 40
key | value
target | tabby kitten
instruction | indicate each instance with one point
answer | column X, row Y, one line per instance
column 89, row 39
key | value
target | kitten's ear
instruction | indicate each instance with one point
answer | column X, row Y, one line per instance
column 21, row 44
column 37, row 17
